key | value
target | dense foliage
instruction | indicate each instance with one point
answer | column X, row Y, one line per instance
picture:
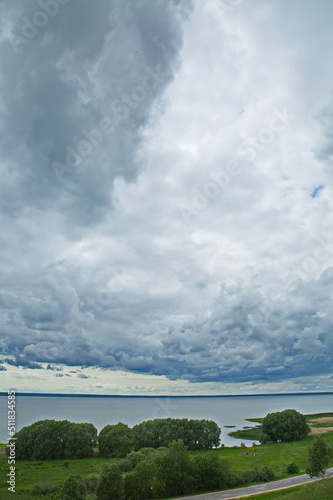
column 52, row 439
column 170, row 471
column 73, row 488
column 287, row 425
column 110, row 485
column 117, row 440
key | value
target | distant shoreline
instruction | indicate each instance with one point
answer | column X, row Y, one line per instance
column 75, row 395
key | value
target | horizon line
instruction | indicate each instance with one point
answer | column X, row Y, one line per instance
column 57, row 394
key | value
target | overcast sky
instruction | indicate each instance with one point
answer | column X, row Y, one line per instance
column 166, row 196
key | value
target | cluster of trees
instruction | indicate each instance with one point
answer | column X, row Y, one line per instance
column 163, row 472
column 117, row 440
column 287, row 425
column 52, row 439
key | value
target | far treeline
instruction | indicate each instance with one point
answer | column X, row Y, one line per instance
column 53, row 439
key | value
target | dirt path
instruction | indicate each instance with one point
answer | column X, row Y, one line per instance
column 320, row 430
column 322, row 420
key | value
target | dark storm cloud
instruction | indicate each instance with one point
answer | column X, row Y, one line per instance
column 86, row 67
column 23, row 361
column 80, row 69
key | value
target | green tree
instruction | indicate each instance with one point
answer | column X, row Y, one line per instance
column 195, row 434
column 211, row 472
column 320, row 455
column 73, row 488
column 149, row 485
column 287, row 425
column 176, row 470
column 53, row 439
column 115, row 441
column 110, row 486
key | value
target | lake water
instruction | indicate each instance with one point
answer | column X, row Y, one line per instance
column 224, row 410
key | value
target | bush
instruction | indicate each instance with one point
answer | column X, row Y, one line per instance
column 211, row 472
column 263, row 474
column 176, row 470
column 110, row 485
column 91, row 483
column 124, row 465
column 135, row 457
column 287, row 425
column 73, row 488
column 44, row 488
column 292, row 468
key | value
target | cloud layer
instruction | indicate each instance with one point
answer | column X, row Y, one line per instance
column 166, row 188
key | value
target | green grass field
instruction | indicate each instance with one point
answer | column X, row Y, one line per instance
column 29, row 473
column 275, row 455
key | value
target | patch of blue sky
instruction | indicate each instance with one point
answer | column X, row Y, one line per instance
column 316, row 191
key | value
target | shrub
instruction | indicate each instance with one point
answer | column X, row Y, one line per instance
column 124, row 465
column 263, row 474
column 135, row 457
column 292, row 468
column 211, row 472
column 91, row 483
column 44, row 488
column 73, row 488
column 110, row 485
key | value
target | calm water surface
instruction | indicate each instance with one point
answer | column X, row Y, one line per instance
column 100, row 411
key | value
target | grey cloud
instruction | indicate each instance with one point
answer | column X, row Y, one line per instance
column 66, row 80
column 54, row 368
column 23, row 361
